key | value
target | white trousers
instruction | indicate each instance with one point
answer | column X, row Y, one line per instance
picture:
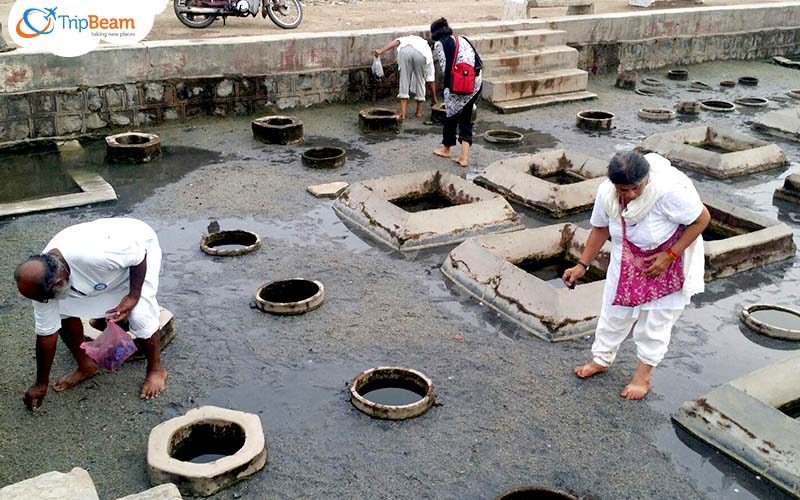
column 651, row 332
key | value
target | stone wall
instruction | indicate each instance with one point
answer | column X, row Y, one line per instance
column 118, row 88
column 69, row 113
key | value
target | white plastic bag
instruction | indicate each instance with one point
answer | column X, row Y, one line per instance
column 377, row 68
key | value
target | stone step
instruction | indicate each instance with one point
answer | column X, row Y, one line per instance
column 509, row 88
column 518, row 105
column 517, row 41
column 540, row 60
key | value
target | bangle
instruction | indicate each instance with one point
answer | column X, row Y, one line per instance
column 672, row 255
column 585, row 267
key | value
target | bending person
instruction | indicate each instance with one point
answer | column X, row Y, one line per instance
column 107, row 268
column 655, row 218
column 415, row 66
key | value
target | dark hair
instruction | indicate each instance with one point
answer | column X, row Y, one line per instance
column 628, row 167
column 52, row 269
column 440, row 29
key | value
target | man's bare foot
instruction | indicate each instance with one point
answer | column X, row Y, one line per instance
column 589, row 369
column 640, row 383
column 418, row 114
column 463, row 162
column 75, row 378
column 442, row 151
column 154, row 383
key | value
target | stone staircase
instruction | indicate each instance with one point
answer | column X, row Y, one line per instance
column 529, row 68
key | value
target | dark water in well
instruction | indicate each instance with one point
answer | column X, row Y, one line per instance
column 714, row 148
column 289, row 291
column 29, row 178
column 428, row 201
column 562, row 178
column 791, row 409
column 392, row 396
column 207, row 458
column 780, row 319
column 551, row 270
column 714, row 232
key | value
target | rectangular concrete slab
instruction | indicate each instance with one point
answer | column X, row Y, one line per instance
column 790, row 191
column 783, row 123
column 74, row 485
column 95, row 190
column 330, row 190
column 162, row 492
column 741, row 419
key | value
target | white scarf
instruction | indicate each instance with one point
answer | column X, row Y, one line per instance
column 663, row 179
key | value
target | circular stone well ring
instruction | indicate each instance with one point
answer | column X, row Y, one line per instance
column 290, row 297
column 132, row 147
column 657, row 114
column 678, row 74
column 753, row 102
column 794, row 93
column 773, row 321
column 393, row 380
column 535, row 492
column 230, row 243
column 748, row 80
column 206, row 450
column 592, row 119
column 716, row 105
column 278, row 129
column 379, row 119
column 652, row 82
column 500, row 136
column 326, row 157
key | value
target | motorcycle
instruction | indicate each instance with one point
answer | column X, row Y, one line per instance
column 287, row 14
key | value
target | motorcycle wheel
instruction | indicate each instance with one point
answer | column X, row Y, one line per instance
column 287, row 14
column 192, row 20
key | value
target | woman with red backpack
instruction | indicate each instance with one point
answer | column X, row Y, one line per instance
column 461, row 66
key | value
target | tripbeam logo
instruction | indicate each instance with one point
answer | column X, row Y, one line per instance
column 74, row 27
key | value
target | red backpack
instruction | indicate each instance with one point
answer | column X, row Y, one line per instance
column 463, row 75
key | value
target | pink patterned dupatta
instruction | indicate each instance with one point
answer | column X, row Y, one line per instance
column 634, row 287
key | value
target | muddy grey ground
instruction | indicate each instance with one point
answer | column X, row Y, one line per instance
column 512, row 412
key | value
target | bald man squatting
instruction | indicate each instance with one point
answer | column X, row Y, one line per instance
column 107, row 268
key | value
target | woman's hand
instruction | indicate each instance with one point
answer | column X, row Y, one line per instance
column 658, row 264
column 572, row 275
column 376, row 53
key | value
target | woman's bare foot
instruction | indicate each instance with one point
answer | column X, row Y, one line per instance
column 154, row 383
column 443, row 151
column 75, row 377
column 640, row 383
column 418, row 114
column 589, row 369
column 464, row 162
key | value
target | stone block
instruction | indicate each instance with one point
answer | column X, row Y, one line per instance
column 115, row 98
column 716, row 152
column 790, row 191
column 225, row 89
column 171, row 114
column 44, row 127
column 288, row 102
column 304, row 83
column 74, row 485
column 94, row 121
column 284, row 85
column 145, row 118
column 744, row 420
column 153, row 93
column 15, row 130
column 247, row 87
column 122, row 119
column 44, row 102
column 162, row 492
column 70, row 101
column 18, row 107
column 241, row 108
column 424, row 209
column 94, row 101
column 330, row 190
column 556, row 182
column 69, row 124
column 132, row 99
column 501, row 271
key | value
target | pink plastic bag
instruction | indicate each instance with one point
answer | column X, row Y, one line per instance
column 111, row 348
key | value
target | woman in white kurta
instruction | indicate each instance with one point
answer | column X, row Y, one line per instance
column 659, row 204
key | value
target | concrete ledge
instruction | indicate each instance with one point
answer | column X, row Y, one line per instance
column 754, row 240
column 742, row 420
column 485, row 268
column 163, row 492
column 783, row 123
column 476, row 211
column 74, row 485
column 790, row 191
column 95, row 190
column 524, row 180
column 733, row 153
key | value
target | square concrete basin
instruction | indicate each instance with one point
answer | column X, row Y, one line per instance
column 555, row 182
column 424, row 209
